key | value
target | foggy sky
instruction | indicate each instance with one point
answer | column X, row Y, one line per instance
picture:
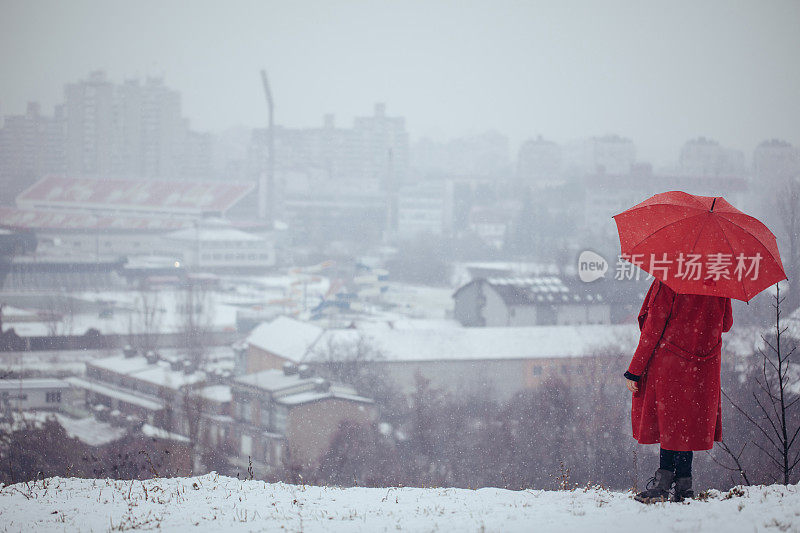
column 657, row 72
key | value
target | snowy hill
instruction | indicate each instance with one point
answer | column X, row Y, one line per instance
column 216, row 503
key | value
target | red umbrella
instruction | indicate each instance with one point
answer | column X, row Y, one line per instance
column 700, row 245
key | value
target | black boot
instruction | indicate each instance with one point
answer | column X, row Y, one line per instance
column 683, row 489
column 661, row 481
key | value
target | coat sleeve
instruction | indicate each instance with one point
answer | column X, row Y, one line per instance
column 657, row 314
column 727, row 318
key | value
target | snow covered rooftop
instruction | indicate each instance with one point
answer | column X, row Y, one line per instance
column 536, row 290
column 152, row 431
column 110, row 391
column 441, row 341
column 314, row 396
column 275, row 380
column 452, row 344
column 158, row 373
column 217, row 233
column 285, row 337
column 216, row 393
column 27, row 384
column 90, row 431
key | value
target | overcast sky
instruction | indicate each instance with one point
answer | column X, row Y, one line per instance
column 657, row 72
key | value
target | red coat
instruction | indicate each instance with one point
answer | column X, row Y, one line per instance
column 678, row 358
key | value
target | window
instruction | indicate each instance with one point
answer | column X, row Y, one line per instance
column 537, row 370
column 247, row 445
column 53, row 397
column 281, row 414
column 245, row 410
column 564, row 369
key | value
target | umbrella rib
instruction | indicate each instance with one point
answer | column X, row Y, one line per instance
column 733, row 252
column 756, row 238
column 699, row 233
column 665, row 226
column 758, row 241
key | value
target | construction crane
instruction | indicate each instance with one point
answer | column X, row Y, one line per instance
column 266, row 181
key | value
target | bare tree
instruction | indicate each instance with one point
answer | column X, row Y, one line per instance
column 149, row 313
column 197, row 314
column 775, row 398
column 60, row 315
column 357, row 362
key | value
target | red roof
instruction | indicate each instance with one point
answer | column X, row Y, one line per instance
column 182, row 197
column 24, row 219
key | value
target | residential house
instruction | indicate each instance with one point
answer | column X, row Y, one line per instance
column 529, row 301
column 30, row 394
column 290, row 416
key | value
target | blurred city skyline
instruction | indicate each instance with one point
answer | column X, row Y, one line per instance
column 657, row 74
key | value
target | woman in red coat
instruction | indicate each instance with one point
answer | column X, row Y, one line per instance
column 674, row 376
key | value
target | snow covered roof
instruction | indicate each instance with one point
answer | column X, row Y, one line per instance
column 301, row 398
column 153, row 431
column 158, row 373
column 113, row 392
column 216, row 393
column 298, row 341
column 90, row 431
column 121, row 365
column 285, row 337
column 28, row 384
column 213, row 234
column 536, row 290
column 275, row 380
column 495, row 343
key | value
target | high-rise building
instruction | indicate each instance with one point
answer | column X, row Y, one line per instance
column 162, row 130
column 373, row 151
column 775, row 161
column 705, row 157
column 482, row 156
column 89, row 114
column 379, row 148
column 127, row 130
column 538, row 159
column 607, row 154
column 31, row 145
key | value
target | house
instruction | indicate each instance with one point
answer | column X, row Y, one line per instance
column 144, row 389
column 529, row 301
column 215, row 244
column 282, row 340
column 290, row 416
column 493, row 362
column 30, row 394
column 266, row 416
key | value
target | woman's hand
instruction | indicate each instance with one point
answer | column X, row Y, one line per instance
column 632, row 386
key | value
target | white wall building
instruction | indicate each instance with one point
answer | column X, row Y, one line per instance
column 28, row 394
column 215, row 244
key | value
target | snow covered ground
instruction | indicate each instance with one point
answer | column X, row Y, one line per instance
column 216, row 503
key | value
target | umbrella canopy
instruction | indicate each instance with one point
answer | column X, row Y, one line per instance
column 700, row 245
